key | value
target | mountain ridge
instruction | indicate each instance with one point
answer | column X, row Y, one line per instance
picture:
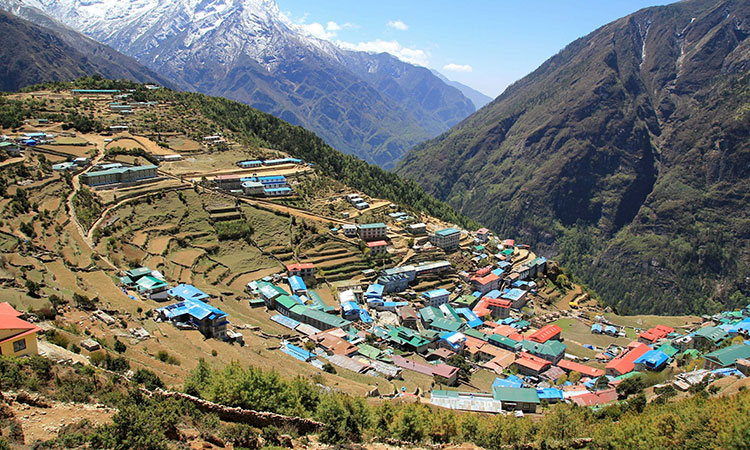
column 591, row 154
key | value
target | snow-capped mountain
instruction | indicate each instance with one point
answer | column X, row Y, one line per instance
column 373, row 106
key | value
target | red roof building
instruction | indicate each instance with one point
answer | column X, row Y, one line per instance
column 584, row 370
column 624, row 363
column 17, row 336
column 531, row 365
column 546, row 333
column 485, row 283
column 654, row 334
column 443, row 370
column 596, row 398
column 497, row 307
column 300, row 269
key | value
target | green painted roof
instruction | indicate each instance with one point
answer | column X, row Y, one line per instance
column 466, row 300
column 446, row 324
column 727, row 356
column 369, row 351
column 139, row 272
column 372, row 225
column 714, row 334
column 328, row 319
column 668, row 350
column 118, row 170
column 430, row 313
column 518, row 395
column 149, row 282
column 504, row 341
column 550, row 348
column 286, row 301
column 476, row 334
column 447, row 231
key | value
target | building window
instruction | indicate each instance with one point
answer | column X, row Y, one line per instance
column 19, row 345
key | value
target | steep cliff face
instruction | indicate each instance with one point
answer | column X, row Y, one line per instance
column 626, row 155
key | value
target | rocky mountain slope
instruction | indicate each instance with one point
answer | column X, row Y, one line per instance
column 30, row 53
column 372, row 106
column 627, row 154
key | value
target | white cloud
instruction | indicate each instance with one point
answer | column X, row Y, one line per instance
column 317, row 30
column 399, row 25
column 410, row 55
column 458, row 67
column 333, row 26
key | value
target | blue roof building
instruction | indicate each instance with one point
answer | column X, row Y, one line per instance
column 471, row 319
column 297, row 285
column 210, row 321
column 551, row 395
column 651, row 360
column 187, row 292
column 436, row 297
column 374, row 291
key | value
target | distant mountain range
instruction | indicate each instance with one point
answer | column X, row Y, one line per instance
column 371, row 105
column 626, row 155
column 476, row 97
column 31, row 54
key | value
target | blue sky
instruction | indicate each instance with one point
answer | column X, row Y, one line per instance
column 485, row 44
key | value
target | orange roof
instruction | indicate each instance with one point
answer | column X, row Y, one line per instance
column 13, row 322
column 584, row 370
column 487, row 279
column 504, row 330
column 532, row 362
column 473, row 344
column 625, row 362
column 499, row 302
column 482, row 272
column 7, row 310
column 377, row 244
column 545, row 333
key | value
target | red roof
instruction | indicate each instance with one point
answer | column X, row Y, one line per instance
column 584, row 370
column 299, row 266
column 482, row 272
column 483, row 231
column 656, row 333
column 487, row 279
column 377, row 244
column 596, row 398
column 498, row 302
column 625, row 362
column 11, row 321
column 665, row 329
column 509, row 242
column 545, row 333
column 7, row 310
column 532, row 362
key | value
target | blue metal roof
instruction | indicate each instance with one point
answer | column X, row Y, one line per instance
column 436, row 293
column 511, row 381
column 513, row 294
column 187, row 292
column 596, row 328
column 550, row 394
column 285, row 321
column 374, row 290
column 297, row 284
column 193, row 308
column 653, row 358
column 493, row 294
column 471, row 318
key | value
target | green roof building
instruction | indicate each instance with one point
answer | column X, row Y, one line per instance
column 516, row 399
column 709, row 338
column 504, row 342
column 726, row 357
column 551, row 350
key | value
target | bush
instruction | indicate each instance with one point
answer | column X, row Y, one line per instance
column 120, row 346
column 242, row 436
column 56, row 338
column 148, row 379
column 164, row 356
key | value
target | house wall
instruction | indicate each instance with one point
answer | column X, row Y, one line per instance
column 7, row 349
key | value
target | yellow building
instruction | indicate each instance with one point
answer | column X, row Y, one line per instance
column 17, row 336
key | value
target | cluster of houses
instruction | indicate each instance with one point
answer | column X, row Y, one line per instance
column 265, row 186
column 190, row 308
column 356, row 201
column 251, row 164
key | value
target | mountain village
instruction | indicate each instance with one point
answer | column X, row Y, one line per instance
column 408, row 306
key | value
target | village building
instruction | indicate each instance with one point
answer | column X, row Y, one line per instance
column 726, row 357
column 372, row 231
column 449, row 373
column 551, row 350
column 466, row 401
column 377, row 247
column 300, row 269
column 210, row 321
column 709, row 338
column 516, row 399
column 119, row 175
column 652, row 335
column 625, row 362
column 654, row 360
column 486, row 283
column 17, row 336
column 184, row 292
column 436, row 297
column 447, row 238
column 483, row 234
column 546, row 333
column 417, row 229
column 349, row 230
